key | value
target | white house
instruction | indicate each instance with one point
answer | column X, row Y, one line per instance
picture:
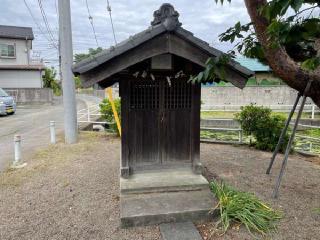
column 17, row 70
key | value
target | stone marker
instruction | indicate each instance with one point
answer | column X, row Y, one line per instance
column 179, row 231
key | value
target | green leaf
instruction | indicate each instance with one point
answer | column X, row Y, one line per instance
column 296, row 4
column 311, row 64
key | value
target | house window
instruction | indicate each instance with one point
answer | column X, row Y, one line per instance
column 8, row 50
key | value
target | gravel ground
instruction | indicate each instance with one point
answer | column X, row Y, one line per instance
column 244, row 168
column 67, row 192
column 72, row 192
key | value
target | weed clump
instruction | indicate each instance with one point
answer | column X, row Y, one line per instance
column 243, row 208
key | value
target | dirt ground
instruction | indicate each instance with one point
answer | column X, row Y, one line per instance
column 67, row 192
column 244, row 168
column 72, row 192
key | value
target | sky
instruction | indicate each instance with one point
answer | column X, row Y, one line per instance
column 204, row 18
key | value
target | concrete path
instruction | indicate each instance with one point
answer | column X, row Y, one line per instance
column 179, row 231
column 32, row 123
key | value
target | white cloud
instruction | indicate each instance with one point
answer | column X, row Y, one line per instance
column 204, row 18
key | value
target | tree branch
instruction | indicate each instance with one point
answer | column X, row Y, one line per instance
column 280, row 62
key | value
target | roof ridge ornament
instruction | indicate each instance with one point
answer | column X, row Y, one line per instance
column 167, row 16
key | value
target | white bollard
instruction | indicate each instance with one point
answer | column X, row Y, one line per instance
column 52, row 132
column 240, row 136
column 17, row 150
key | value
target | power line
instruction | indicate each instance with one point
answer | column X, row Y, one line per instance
column 35, row 21
column 110, row 15
column 45, row 19
column 57, row 12
column 56, row 8
column 92, row 25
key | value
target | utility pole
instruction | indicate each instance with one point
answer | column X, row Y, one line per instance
column 68, row 85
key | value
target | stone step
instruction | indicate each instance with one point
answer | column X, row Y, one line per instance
column 163, row 181
column 165, row 207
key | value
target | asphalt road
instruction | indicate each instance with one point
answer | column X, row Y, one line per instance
column 32, row 123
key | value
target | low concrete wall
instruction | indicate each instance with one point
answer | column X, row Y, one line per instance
column 276, row 97
column 99, row 93
column 220, row 123
column 229, row 98
column 31, row 95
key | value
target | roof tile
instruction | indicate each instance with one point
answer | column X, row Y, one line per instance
column 15, row 32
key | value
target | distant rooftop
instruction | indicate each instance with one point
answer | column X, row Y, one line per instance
column 15, row 32
column 253, row 64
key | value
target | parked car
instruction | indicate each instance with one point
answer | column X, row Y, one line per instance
column 7, row 103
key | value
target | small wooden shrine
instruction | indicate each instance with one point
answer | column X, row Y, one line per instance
column 160, row 111
column 160, row 108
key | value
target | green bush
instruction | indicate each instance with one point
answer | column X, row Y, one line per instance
column 264, row 126
column 49, row 81
column 107, row 113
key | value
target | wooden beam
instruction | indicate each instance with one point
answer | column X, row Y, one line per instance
column 165, row 43
column 147, row 50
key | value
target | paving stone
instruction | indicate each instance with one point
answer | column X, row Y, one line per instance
column 179, row 231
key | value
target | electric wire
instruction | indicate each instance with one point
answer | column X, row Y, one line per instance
column 44, row 16
column 110, row 15
column 35, row 21
column 91, row 22
column 45, row 19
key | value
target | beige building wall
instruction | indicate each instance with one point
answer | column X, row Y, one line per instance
column 20, row 79
column 22, row 48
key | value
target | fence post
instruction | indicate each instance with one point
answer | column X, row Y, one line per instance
column 88, row 113
column 52, row 132
column 312, row 111
column 17, row 150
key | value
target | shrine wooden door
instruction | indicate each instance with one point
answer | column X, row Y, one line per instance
column 159, row 119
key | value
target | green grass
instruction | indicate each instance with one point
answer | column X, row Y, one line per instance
column 231, row 115
column 244, row 208
column 312, row 133
column 217, row 114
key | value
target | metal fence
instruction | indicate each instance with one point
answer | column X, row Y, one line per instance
column 310, row 142
column 239, row 130
column 307, row 143
column 90, row 115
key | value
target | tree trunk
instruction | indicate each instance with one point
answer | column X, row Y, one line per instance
column 278, row 59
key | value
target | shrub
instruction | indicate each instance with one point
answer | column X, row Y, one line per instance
column 244, row 208
column 268, row 133
column 107, row 113
column 250, row 116
column 49, row 81
column 265, row 127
